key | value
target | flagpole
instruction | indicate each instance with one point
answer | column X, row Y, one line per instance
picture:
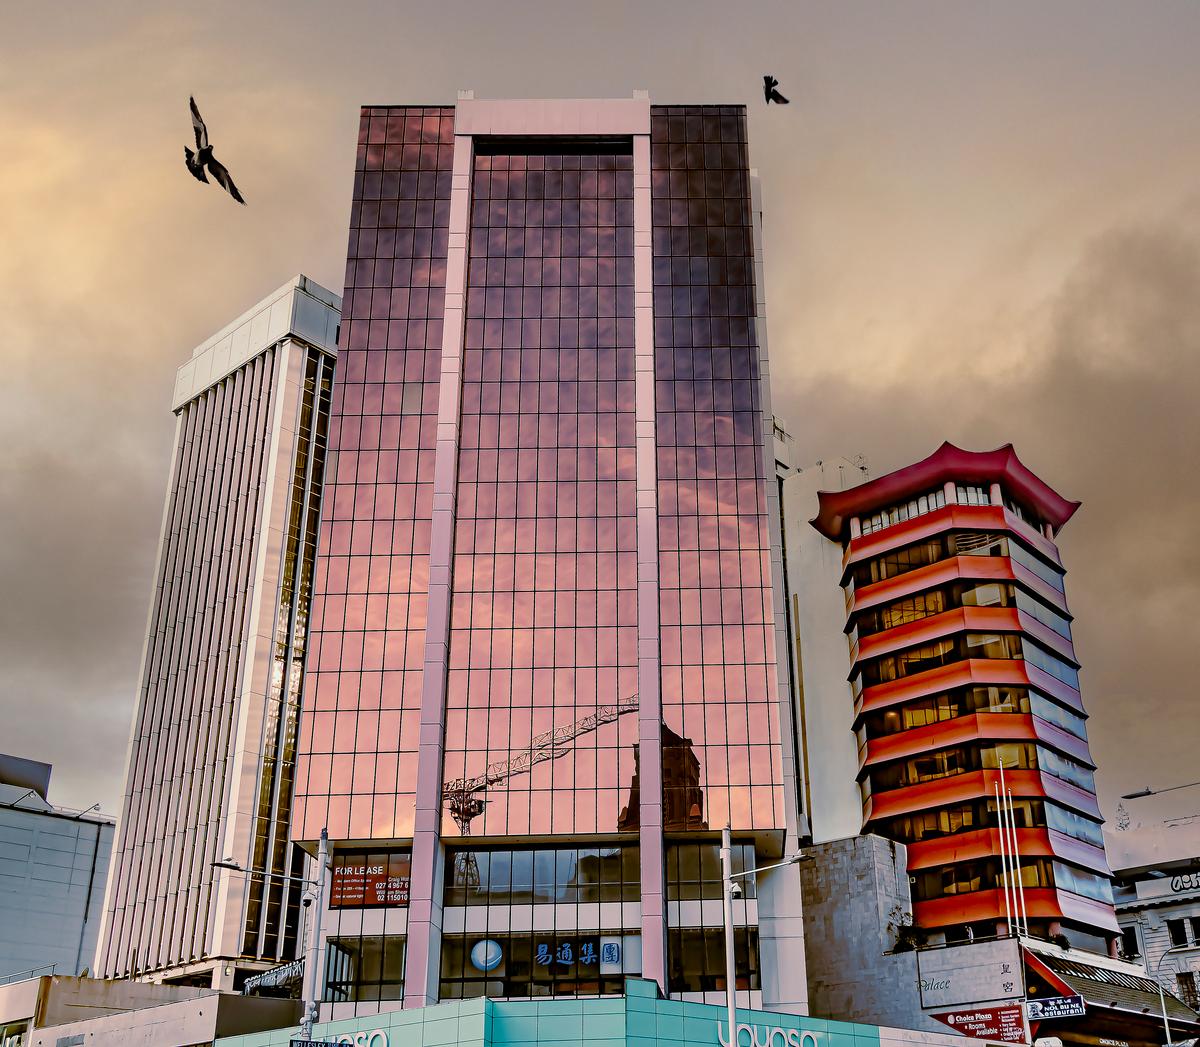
column 1017, row 851
column 1003, row 855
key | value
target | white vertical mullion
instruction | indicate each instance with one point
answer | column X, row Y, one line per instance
column 423, row 950
column 653, row 888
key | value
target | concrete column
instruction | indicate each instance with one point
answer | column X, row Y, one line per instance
column 951, row 492
column 423, row 951
column 653, row 872
column 855, row 527
column 994, row 495
column 780, row 914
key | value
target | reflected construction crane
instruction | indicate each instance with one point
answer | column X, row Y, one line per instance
column 465, row 799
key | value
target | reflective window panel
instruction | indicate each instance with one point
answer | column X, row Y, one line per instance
column 362, row 702
column 718, row 657
column 543, row 641
column 538, row 964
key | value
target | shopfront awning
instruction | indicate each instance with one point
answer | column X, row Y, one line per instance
column 1112, row 990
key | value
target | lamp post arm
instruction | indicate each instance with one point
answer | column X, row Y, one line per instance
column 1162, row 996
column 795, row 859
column 265, row 875
column 1155, row 792
column 1165, row 954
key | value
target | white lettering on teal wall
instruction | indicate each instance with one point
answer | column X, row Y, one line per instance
column 374, row 1038
column 767, row 1036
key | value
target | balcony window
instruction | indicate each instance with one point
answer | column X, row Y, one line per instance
column 894, row 514
column 1184, row 931
column 973, row 494
column 1131, row 948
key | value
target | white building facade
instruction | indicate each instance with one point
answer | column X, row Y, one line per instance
column 817, row 653
column 1158, row 902
column 212, row 749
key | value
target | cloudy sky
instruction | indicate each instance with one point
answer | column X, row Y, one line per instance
column 983, row 225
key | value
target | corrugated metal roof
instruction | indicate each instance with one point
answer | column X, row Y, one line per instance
column 1106, row 988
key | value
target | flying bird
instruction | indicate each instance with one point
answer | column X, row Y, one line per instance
column 203, row 157
column 772, row 95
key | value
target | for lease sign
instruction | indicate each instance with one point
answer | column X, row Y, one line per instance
column 361, row 880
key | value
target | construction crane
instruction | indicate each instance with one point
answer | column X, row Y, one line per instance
column 464, row 797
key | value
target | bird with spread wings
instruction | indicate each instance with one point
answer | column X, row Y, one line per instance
column 203, row 157
column 770, row 85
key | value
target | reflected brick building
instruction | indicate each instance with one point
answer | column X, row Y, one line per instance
column 547, row 547
column 961, row 663
column 213, row 747
column 683, row 798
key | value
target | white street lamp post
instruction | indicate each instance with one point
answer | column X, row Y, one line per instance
column 312, row 996
column 314, row 897
column 727, row 921
column 732, row 889
column 1162, row 996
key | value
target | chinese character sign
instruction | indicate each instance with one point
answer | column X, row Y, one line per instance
column 559, row 953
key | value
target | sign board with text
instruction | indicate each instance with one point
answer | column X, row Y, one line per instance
column 1005, row 1024
column 1182, row 885
column 971, row 973
column 367, row 881
column 366, row 1038
column 1055, row 1007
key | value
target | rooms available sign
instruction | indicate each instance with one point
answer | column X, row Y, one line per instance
column 1005, row 1024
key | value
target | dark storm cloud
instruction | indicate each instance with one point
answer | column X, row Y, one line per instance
column 928, row 196
column 1103, row 404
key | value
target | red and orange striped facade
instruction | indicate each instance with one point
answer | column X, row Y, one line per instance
column 962, row 662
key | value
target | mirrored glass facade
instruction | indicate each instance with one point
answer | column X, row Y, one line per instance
column 719, row 686
column 543, row 604
column 357, row 776
column 544, row 616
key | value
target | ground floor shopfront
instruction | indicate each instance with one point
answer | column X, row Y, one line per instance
column 640, row 1018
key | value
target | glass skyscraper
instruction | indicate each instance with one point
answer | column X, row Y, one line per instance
column 542, row 670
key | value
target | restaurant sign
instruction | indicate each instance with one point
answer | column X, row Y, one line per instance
column 1056, row 1007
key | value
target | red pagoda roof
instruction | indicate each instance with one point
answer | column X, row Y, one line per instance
column 946, row 463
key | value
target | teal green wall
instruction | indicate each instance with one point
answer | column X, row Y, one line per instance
column 638, row 1019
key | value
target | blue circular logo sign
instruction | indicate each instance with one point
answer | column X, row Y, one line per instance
column 486, row 955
